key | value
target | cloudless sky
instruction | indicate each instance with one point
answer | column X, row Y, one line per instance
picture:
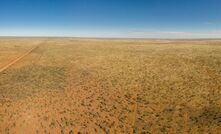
column 111, row 18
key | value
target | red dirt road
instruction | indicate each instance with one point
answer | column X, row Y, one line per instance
column 17, row 59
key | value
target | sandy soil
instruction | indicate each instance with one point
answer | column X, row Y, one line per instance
column 111, row 86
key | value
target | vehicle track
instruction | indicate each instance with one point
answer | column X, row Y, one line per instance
column 19, row 58
column 135, row 110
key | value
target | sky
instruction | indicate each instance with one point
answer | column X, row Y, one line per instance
column 111, row 18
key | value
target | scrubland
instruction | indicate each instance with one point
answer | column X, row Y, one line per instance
column 71, row 85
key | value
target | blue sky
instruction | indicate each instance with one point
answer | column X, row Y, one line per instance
column 111, row 18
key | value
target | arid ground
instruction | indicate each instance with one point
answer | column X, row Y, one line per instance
column 71, row 85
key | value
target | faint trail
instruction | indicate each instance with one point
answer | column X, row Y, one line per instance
column 135, row 111
column 136, row 93
column 18, row 59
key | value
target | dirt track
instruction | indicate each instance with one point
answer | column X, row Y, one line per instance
column 17, row 59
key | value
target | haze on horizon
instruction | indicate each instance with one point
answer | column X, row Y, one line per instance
column 111, row 18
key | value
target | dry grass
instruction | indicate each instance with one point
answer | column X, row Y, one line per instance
column 111, row 86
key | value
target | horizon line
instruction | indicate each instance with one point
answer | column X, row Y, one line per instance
column 135, row 38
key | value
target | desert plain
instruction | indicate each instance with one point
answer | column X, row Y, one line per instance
column 116, row 86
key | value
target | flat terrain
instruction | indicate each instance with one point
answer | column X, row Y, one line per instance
column 70, row 85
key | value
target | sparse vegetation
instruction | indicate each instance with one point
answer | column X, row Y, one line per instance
column 70, row 85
